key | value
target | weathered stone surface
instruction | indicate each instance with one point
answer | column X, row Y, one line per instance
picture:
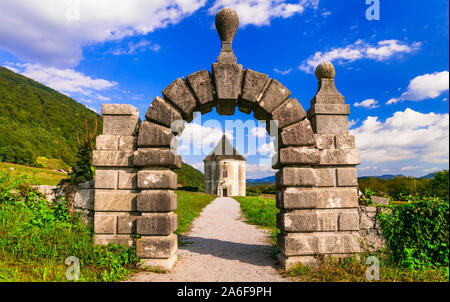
column 157, row 201
column 159, row 247
column 227, row 23
column 84, row 199
column 115, row 201
column 253, row 89
column 163, row 113
column 179, row 94
column 299, row 134
column 120, row 124
column 330, row 124
column 102, row 239
column 127, row 143
column 153, row 157
column 325, row 177
column 345, row 141
column 154, row 135
column 297, row 198
column 157, row 224
column 292, row 155
column 126, row 224
column 308, row 221
column 119, row 109
column 324, row 141
column 380, row 200
column 106, row 178
column 288, row 113
column 327, row 93
column 274, row 95
column 157, row 179
column 102, row 158
column 105, row 223
column 340, row 157
column 127, row 179
column 200, row 83
column 367, row 217
column 372, row 240
column 295, row 177
column 319, row 243
column 349, row 220
column 107, row 142
column 346, row 177
column 330, row 198
column 292, row 262
column 329, row 109
column 227, row 79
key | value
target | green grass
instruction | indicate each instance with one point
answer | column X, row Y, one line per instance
column 43, row 176
column 190, row 205
column 261, row 211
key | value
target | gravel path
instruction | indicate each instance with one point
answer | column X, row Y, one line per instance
column 221, row 247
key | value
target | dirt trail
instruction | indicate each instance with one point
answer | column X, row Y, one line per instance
column 221, row 247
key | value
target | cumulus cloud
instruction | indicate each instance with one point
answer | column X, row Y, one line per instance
column 406, row 135
column 427, row 86
column 261, row 12
column 48, row 37
column 370, row 103
column 359, row 50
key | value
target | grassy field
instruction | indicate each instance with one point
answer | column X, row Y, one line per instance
column 42, row 176
column 190, row 205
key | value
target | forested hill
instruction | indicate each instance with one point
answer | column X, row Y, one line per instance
column 37, row 121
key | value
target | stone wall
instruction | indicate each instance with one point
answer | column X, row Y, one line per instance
column 372, row 238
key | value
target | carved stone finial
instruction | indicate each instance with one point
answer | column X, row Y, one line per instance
column 227, row 23
column 325, row 70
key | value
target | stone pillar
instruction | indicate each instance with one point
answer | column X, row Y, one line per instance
column 319, row 200
column 115, row 176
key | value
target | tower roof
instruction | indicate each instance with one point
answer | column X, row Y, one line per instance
column 224, row 150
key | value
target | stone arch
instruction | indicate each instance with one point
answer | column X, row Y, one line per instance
column 316, row 159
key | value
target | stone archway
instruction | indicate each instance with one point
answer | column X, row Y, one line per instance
column 316, row 159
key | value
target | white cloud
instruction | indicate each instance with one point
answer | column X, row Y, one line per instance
column 283, row 72
column 409, row 168
column 254, row 171
column 39, row 31
column 431, row 170
column 66, row 80
column 427, row 86
column 406, row 135
column 382, row 51
column 370, row 103
column 352, row 123
column 326, row 14
column 135, row 47
column 267, row 149
column 261, row 12
column 259, row 132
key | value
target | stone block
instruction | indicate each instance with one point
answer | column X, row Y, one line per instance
column 349, row 220
column 107, row 142
column 329, row 109
column 84, row 199
column 327, row 93
column 102, row 158
column 366, row 222
column 201, row 84
column 273, row 97
column 253, row 89
column 299, row 134
column 159, row 247
column 127, row 179
column 296, row 177
column 156, row 157
column 115, row 201
column 157, row 201
column 325, row 177
column 324, row 141
column 120, row 124
column 331, row 198
column 159, row 264
column 179, row 94
column 105, row 223
column 298, row 244
column 330, row 124
column 340, row 157
column 119, row 109
column 126, row 224
column 157, row 224
column 127, row 143
column 102, row 239
column 346, row 177
column 106, row 178
column 290, row 263
column 345, row 141
column 228, row 80
column 299, row 156
column 154, row 135
column 161, row 112
column 157, row 179
column 382, row 201
column 288, row 113
column 308, row 221
column 297, row 198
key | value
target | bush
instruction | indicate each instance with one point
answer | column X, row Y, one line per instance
column 417, row 233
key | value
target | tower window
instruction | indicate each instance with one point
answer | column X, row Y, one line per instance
column 225, row 173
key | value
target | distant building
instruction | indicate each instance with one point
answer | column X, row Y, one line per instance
column 225, row 170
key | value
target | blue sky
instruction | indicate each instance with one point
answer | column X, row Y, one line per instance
column 393, row 71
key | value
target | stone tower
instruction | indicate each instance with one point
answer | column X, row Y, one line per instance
column 225, row 170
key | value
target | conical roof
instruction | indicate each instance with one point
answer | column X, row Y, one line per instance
column 224, row 150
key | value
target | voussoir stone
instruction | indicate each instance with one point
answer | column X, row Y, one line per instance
column 163, row 113
column 299, row 134
column 275, row 94
column 227, row 80
column 179, row 94
column 201, row 84
column 153, row 157
column 288, row 113
column 253, row 89
column 154, row 135
column 157, row 179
